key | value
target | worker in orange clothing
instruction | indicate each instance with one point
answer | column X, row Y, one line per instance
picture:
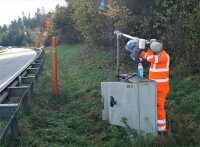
column 159, row 72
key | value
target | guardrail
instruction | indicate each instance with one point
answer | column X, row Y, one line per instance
column 20, row 89
column 21, row 70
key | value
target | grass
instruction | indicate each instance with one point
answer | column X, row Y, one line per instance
column 2, row 125
column 74, row 117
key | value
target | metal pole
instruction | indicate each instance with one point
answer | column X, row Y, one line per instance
column 118, row 56
column 128, row 36
column 14, row 132
column 25, row 105
column 55, row 84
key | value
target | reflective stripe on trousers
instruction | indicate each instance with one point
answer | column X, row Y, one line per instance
column 162, row 92
column 160, row 80
column 160, row 129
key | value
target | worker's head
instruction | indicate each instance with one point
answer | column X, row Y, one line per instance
column 156, row 47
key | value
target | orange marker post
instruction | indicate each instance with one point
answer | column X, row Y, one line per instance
column 55, row 82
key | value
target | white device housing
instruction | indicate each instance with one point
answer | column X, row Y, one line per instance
column 142, row 43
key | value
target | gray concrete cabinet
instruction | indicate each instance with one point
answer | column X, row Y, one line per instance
column 135, row 101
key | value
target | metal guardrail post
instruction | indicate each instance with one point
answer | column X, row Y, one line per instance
column 8, row 112
column 32, row 93
column 14, row 131
column 25, row 105
column 29, row 81
column 33, row 71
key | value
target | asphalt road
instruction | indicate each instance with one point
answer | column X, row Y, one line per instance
column 12, row 62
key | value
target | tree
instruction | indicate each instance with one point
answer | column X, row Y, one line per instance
column 64, row 27
column 4, row 28
column 97, row 27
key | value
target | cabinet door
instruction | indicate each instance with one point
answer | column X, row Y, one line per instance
column 148, row 107
column 126, row 97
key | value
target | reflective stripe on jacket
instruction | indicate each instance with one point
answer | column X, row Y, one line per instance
column 159, row 69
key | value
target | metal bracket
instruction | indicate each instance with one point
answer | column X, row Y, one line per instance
column 7, row 110
column 17, row 91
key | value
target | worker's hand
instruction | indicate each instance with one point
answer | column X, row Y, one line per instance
column 136, row 55
column 140, row 60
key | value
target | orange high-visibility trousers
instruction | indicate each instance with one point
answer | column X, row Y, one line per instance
column 162, row 91
column 159, row 72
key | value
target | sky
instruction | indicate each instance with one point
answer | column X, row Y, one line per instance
column 12, row 9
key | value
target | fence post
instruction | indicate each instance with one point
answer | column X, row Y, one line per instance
column 55, row 84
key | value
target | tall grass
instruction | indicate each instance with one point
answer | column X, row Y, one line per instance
column 74, row 117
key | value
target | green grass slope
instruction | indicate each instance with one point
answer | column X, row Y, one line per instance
column 74, row 117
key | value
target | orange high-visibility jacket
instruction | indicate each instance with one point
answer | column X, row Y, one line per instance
column 159, row 69
column 159, row 72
